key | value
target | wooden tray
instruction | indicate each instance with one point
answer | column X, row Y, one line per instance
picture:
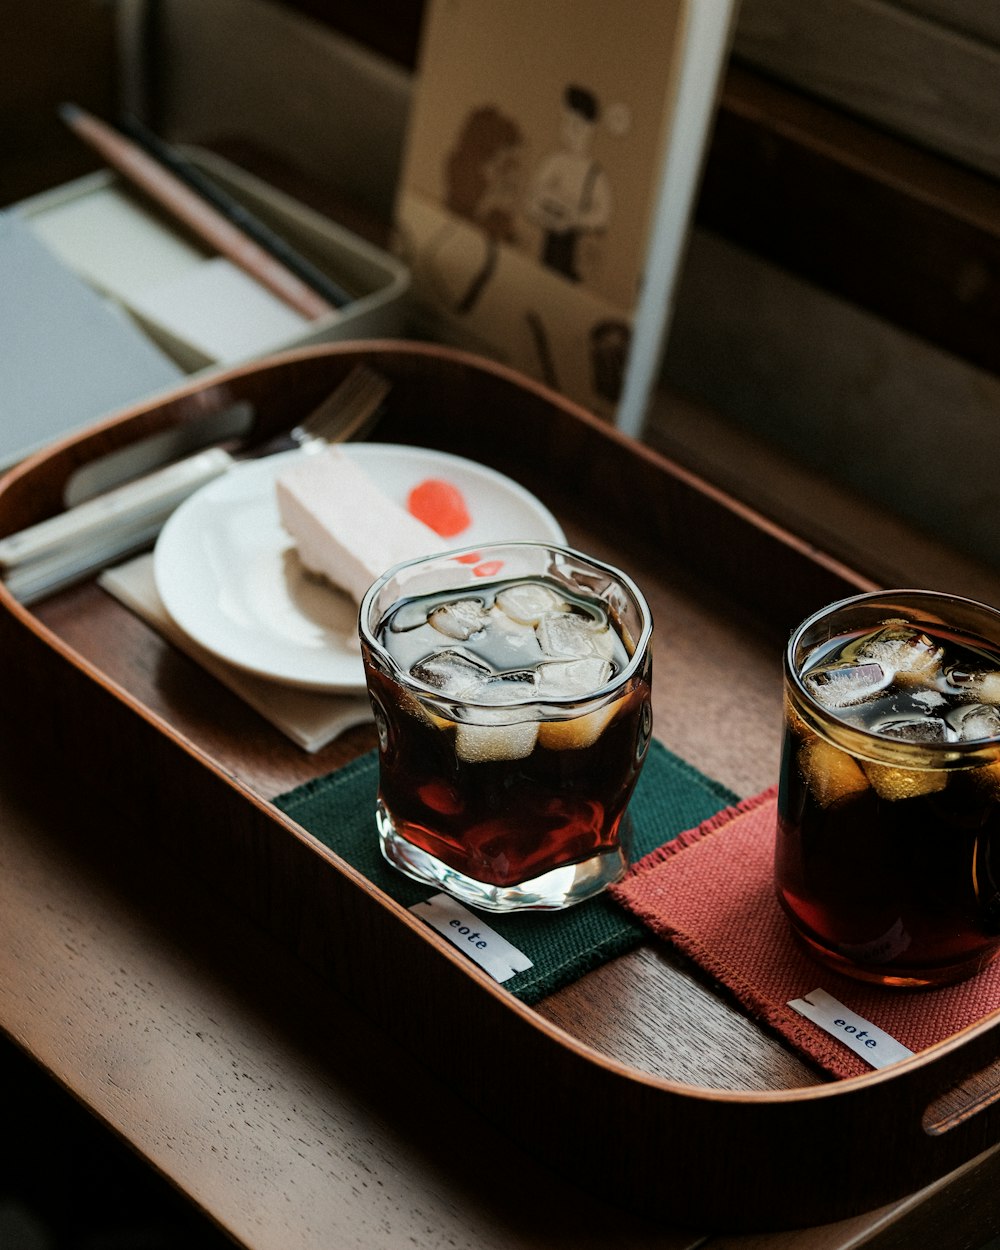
column 639, row 1077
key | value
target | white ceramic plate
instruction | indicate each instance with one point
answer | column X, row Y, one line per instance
column 229, row 575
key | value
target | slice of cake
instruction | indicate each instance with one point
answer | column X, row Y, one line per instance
column 345, row 529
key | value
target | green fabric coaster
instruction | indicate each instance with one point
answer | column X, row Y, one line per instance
column 671, row 796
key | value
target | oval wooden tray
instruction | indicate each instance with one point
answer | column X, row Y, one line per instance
column 639, row 1077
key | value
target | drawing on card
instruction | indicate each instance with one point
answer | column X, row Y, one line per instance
column 570, row 196
column 547, row 179
column 482, row 179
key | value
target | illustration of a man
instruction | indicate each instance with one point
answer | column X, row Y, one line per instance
column 571, row 196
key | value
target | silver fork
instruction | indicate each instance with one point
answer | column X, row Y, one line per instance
column 349, row 412
column 86, row 538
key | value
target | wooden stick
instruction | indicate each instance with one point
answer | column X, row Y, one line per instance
column 233, row 210
column 184, row 204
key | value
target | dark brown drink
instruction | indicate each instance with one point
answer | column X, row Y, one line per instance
column 888, row 840
column 513, row 717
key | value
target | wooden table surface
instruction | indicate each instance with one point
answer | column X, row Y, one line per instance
column 273, row 1105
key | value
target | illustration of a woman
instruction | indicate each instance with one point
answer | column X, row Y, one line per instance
column 482, row 186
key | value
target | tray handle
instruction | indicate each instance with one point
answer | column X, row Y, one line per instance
column 969, row 1096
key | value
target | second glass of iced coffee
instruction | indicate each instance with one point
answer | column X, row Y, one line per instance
column 511, row 691
column 888, row 840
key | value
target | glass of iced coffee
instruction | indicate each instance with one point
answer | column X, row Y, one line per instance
column 511, row 692
column 888, row 837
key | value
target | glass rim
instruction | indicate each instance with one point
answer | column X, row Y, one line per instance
column 612, row 686
column 936, row 753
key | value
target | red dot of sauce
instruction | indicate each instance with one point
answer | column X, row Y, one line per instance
column 488, row 568
column 440, row 505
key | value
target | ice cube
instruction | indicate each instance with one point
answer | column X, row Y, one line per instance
column 579, row 731
column 519, row 641
column 572, row 635
column 844, row 685
column 479, row 744
column 459, row 619
column 561, row 679
column 907, row 652
column 893, row 783
column 451, row 672
column 499, row 734
column 506, row 688
column 987, row 687
column 528, row 602
column 406, row 616
column 830, row 774
column 916, row 729
column 976, row 720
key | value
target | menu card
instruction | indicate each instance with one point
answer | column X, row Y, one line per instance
column 549, row 172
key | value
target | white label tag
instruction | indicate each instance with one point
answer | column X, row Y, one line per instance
column 466, row 931
column 857, row 1033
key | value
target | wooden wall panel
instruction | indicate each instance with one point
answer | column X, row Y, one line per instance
column 915, row 76
column 51, row 53
column 860, row 213
column 979, row 18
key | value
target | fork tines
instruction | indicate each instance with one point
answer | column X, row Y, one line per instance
column 347, row 411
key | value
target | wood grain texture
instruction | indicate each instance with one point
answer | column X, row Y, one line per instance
column 62, row 52
column 972, row 17
column 914, row 76
column 858, row 212
column 270, row 1103
column 729, row 585
column 274, row 1106
column 650, row 1010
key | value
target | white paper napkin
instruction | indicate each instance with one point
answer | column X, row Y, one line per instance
column 311, row 719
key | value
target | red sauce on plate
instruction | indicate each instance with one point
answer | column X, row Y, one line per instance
column 440, row 505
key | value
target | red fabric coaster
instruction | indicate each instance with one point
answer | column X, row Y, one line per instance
column 710, row 892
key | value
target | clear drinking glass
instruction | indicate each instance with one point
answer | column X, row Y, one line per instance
column 888, row 832
column 511, row 691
